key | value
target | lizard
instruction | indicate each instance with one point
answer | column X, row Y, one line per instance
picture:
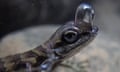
column 68, row 40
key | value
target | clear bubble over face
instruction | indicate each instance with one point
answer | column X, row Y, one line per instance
column 84, row 13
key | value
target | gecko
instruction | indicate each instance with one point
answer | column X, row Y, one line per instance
column 68, row 40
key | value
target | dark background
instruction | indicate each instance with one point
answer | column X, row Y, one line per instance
column 19, row 14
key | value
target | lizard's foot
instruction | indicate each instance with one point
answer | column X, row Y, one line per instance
column 46, row 66
column 28, row 67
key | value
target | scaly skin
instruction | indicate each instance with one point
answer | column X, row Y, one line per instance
column 68, row 40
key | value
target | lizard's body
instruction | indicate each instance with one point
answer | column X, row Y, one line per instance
column 35, row 57
column 64, row 43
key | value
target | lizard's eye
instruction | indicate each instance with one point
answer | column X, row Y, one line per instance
column 70, row 36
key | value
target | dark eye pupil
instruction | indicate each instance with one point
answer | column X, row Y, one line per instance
column 70, row 36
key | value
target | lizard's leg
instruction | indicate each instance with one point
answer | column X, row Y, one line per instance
column 48, row 64
column 28, row 67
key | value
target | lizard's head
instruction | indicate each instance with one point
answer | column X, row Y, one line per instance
column 74, row 35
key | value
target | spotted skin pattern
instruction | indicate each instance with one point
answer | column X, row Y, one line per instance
column 34, row 57
column 68, row 40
